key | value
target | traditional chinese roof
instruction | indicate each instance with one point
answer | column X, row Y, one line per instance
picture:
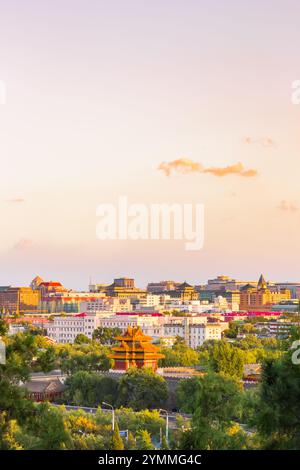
column 51, row 284
column 247, row 287
column 133, row 333
column 44, row 386
column 184, row 285
column 134, row 345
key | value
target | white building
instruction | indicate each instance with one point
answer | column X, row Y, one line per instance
column 108, row 304
column 64, row 329
column 190, row 306
column 276, row 328
column 152, row 325
column 150, row 302
column 194, row 330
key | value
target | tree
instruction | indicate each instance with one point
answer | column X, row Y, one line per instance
column 49, row 426
column 179, row 355
column 186, row 394
column 8, row 433
column 106, row 336
column 164, row 444
column 47, row 359
column 116, row 440
column 90, row 389
column 3, row 327
column 142, row 388
column 81, row 339
column 20, row 353
column 87, row 357
column 278, row 407
column 247, row 328
column 130, row 443
column 217, row 405
column 144, row 419
column 143, row 440
column 232, row 330
column 250, row 342
column 227, row 359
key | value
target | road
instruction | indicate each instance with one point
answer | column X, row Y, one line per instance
column 86, row 409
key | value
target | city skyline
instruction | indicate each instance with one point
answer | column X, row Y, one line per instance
column 107, row 281
column 165, row 103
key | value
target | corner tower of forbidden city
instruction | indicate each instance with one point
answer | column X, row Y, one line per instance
column 135, row 350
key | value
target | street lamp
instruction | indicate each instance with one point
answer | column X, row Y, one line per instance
column 167, row 424
column 113, row 413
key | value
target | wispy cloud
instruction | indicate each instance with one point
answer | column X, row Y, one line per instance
column 263, row 141
column 15, row 200
column 288, row 206
column 185, row 166
column 23, row 244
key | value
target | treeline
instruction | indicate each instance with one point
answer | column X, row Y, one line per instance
column 137, row 388
column 224, row 415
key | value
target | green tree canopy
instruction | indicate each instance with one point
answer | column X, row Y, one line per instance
column 278, row 408
column 82, row 339
column 90, row 389
column 217, row 404
column 227, row 359
column 106, row 336
column 143, row 440
column 142, row 388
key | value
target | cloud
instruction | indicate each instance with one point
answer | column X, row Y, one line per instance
column 185, row 166
column 182, row 166
column 288, row 206
column 263, row 141
column 15, row 200
column 236, row 169
column 23, row 244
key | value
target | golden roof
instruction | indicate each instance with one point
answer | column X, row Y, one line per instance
column 133, row 333
column 133, row 344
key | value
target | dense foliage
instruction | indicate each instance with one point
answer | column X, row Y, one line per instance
column 222, row 414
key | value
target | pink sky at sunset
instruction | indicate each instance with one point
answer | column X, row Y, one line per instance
column 100, row 93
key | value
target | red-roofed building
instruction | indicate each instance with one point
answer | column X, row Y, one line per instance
column 50, row 287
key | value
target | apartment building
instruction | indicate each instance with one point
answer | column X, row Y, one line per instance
column 151, row 324
column 278, row 328
column 64, row 329
column 95, row 304
column 194, row 330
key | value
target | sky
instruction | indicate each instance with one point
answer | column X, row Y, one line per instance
column 100, row 95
